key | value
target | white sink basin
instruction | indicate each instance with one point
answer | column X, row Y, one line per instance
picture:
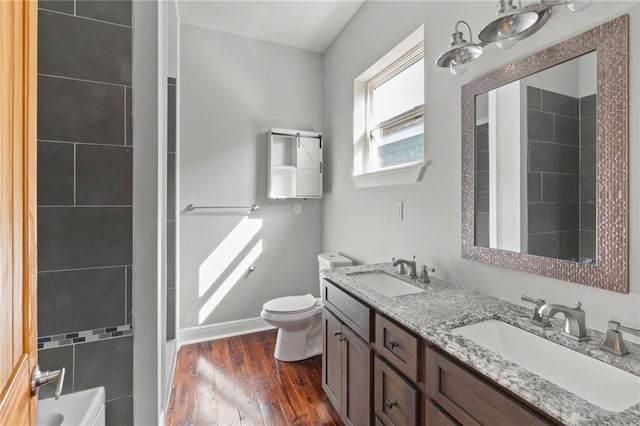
column 386, row 285
column 601, row 384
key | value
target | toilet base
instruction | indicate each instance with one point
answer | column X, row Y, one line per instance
column 297, row 345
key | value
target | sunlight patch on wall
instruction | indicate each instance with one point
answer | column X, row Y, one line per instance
column 233, row 278
column 220, row 259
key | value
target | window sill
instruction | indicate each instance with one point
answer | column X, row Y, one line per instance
column 401, row 175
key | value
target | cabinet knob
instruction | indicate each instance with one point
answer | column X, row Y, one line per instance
column 392, row 344
column 336, row 333
column 390, row 403
column 342, row 338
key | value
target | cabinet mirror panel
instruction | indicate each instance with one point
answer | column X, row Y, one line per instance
column 545, row 159
column 535, row 167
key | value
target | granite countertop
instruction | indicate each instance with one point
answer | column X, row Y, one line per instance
column 444, row 306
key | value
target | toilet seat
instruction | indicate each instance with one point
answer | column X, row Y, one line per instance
column 291, row 304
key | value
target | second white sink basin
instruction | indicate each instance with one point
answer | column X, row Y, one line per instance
column 601, row 384
column 385, row 284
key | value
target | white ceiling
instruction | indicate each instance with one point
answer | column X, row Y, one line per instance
column 303, row 24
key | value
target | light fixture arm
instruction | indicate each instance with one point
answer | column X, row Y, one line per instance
column 468, row 29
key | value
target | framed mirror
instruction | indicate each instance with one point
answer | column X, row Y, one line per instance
column 545, row 161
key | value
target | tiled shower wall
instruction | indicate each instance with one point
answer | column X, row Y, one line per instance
column 171, row 209
column 482, row 185
column 85, row 158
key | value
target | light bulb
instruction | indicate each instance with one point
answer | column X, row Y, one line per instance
column 457, row 68
column 507, row 28
column 506, row 43
column 577, row 5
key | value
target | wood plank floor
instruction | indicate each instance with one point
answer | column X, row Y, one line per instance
column 237, row 381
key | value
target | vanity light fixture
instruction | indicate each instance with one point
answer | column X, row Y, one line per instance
column 510, row 25
column 460, row 51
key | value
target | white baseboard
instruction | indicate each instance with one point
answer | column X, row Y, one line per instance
column 224, row 329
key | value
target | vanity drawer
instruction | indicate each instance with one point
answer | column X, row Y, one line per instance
column 395, row 399
column 398, row 346
column 348, row 309
column 471, row 400
column 435, row 416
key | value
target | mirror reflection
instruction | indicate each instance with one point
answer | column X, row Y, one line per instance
column 535, row 163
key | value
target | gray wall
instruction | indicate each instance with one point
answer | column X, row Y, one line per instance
column 232, row 90
column 358, row 222
column 553, row 197
column 482, row 185
column 171, row 208
column 85, row 198
column 587, row 177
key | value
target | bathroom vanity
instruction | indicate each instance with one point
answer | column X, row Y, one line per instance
column 399, row 361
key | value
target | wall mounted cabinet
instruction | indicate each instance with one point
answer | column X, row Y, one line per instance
column 295, row 164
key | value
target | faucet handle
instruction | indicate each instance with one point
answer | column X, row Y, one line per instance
column 578, row 306
column 536, row 318
column 613, row 341
column 424, row 274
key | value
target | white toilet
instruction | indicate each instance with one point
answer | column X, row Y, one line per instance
column 299, row 318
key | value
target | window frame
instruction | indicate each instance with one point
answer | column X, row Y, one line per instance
column 409, row 58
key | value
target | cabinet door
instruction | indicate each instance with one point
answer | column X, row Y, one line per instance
column 395, row 400
column 356, row 370
column 435, row 416
column 309, row 167
column 332, row 359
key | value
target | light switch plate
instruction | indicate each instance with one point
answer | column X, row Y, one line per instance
column 297, row 208
column 397, row 210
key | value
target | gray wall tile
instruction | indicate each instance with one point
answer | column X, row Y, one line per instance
column 559, row 104
column 482, row 161
column 559, row 188
column 539, row 126
column 171, row 118
column 107, row 363
column 549, row 245
column 541, row 218
column 118, row 11
column 566, row 130
column 534, row 97
column 171, row 313
column 129, row 295
column 588, row 188
column 78, row 111
column 571, row 244
column 73, row 47
column 482, row 222
column 171, row 253
column 171, row 186
column 55, row 173
column 588, row 135
column 588, row 159
column 83, row 237
column 588, row 216
column 129, row 114
column 54, row 359
column 119, row 412
column 588, row 106
column 482, row 240
column 550, row 157
column 482, row 202
column 588, row 244
column 104, row 175
column 80, row 300
column 534, row 187
column 567, row 217
column 482, row 181
column 65, row 6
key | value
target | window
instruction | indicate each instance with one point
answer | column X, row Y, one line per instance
column 395, row 113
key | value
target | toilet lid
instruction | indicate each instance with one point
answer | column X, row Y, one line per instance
column 290, row 304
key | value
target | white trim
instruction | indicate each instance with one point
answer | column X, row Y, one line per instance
column 206, row 332
column 404, row 174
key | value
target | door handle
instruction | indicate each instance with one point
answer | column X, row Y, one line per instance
column 40, row 378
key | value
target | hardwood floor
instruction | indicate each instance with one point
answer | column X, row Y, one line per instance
column 237, row 381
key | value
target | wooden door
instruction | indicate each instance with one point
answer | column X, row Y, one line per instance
column 356, row 371
column 18, row 102
column 332, row 358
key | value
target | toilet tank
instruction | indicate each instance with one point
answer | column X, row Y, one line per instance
column 330, row 261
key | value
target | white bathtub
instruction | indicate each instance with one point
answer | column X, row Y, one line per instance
column 84, row 408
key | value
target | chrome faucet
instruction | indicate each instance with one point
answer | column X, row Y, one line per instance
column 536, row 318
column 411, row 264
column 574, row 319
column 613, row 341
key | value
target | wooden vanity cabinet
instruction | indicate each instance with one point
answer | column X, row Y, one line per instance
column 463, row 397
column 346, row 356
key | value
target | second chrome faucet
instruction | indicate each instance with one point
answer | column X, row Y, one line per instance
column 575, row 325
